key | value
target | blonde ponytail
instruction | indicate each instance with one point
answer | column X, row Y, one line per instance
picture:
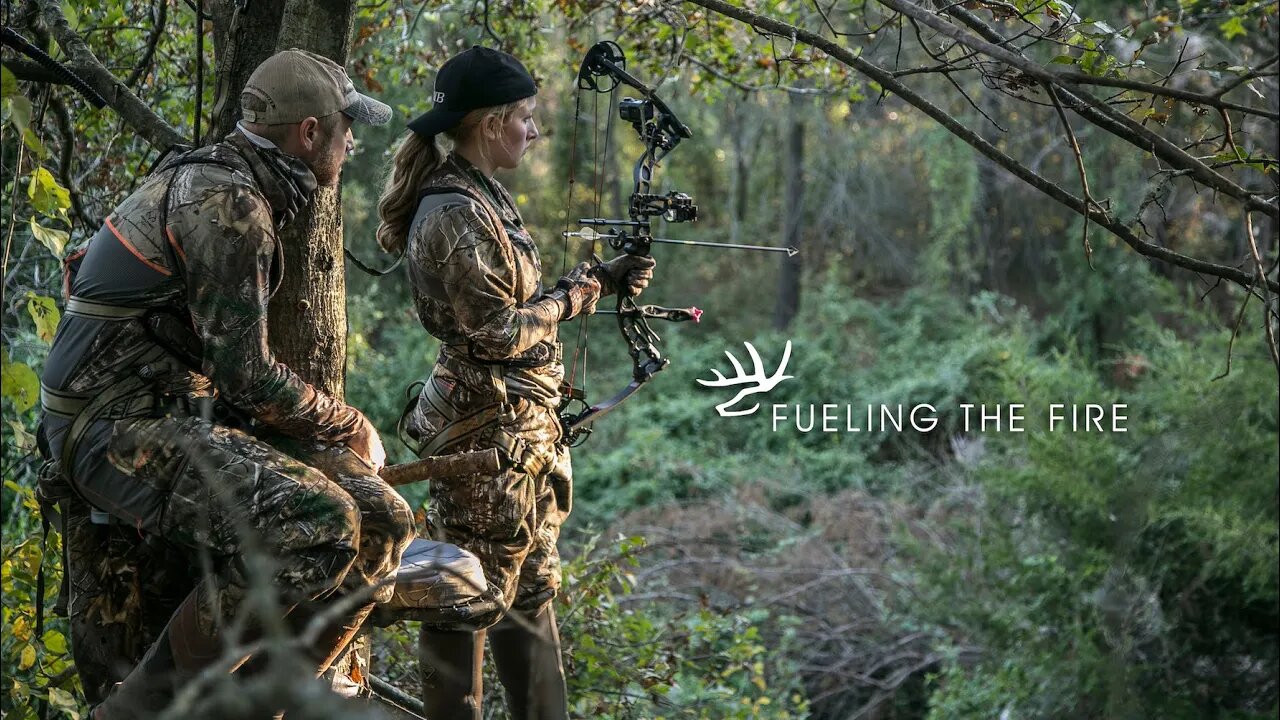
column 413, row 160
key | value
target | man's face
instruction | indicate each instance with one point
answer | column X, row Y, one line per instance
column 328, row 152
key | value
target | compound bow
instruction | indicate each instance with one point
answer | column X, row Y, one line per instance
column 660, row 130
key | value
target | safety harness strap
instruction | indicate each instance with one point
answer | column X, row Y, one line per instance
column 96, row 310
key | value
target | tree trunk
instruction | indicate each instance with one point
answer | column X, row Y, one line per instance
column 991, row 229
column 308, row 315
column 237, row 52
column 735, row 127
column 788, row 303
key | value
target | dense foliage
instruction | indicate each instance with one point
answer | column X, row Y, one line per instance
column 720, row 567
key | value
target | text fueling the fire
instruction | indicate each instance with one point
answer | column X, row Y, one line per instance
column 965, row 417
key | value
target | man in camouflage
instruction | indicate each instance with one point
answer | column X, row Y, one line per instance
column 171, row 418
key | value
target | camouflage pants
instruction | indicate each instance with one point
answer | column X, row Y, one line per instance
column 310, row 520
column 511, row 521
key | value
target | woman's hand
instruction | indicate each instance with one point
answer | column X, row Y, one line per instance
column 581, row 290
column 628, row 274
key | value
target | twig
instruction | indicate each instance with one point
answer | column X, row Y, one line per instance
column 62, row 119
column 1253, row 74
column 1084, row 176
column 161, row 13
column 1079, row 78
column 1267, row 310
column 758, row 88
column 1231, row 343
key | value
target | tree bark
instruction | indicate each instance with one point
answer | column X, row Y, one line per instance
column 237, row 52
column 308, row 315
column 788, row 303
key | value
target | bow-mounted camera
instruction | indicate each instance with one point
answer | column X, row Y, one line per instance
column 636, row 112
column 653, row 122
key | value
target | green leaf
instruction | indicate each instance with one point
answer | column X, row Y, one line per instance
column 55, row 240
column 55, row 642
column 1063, row 60
column 45, row 312
column 19, row 111
column 21, row 385
column 1233, row 28
column 47, row 195
column 1096, row 28
column 33, row 142
column 8, row 83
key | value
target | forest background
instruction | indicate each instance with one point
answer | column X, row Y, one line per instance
column 719, row 569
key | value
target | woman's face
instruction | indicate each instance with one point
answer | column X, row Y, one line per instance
column 514, row 137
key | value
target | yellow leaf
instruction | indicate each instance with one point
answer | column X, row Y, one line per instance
column 55, row 240
column 21, row 631
column 28, row 657
column 44, row 311
column 62, row 699
column 25, row 440
column 47, row 195
column 21, row 384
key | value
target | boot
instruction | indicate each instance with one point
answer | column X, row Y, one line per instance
column 451, row 663
column 181, row 651
column 526, row 651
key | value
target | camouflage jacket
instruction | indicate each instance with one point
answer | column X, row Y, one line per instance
column 481, row 292
column 210, row 273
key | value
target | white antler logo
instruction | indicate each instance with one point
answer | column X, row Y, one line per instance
column 756, row 381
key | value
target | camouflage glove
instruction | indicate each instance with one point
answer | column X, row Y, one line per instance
column 367, row 445
column 579, row 290
column 629, row 273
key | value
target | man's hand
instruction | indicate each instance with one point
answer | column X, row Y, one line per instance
column 367, row 445
column 627, row 274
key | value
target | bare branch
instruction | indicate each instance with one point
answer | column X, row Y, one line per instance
column 1214, row 100
column 886, row 80
column 140, row 117
column 1109, row 117
column 1267, row 310
column 1256, row 72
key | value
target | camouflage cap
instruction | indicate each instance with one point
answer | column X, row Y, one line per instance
column 293, row 85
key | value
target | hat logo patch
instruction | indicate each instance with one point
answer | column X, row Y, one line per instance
column 438, row 97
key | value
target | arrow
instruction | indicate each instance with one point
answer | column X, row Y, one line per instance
column 589, row 234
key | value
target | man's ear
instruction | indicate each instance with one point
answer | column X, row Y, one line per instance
column 309, row 133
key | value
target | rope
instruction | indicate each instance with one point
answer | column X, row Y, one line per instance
column 10, row 37
column 199, row 67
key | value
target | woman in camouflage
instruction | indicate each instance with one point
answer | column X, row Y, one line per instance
column 477, row 287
